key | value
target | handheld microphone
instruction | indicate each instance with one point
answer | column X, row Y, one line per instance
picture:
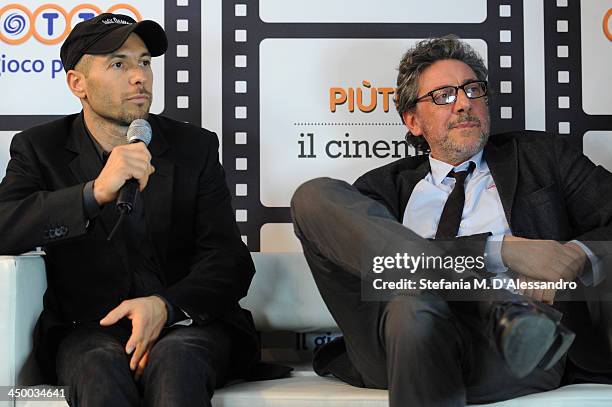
column 139, row 131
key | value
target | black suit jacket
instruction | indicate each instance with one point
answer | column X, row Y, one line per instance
column 549, row 190
column 204, row 266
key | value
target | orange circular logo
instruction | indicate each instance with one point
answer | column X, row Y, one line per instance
column 606, row 24
column 62, row 12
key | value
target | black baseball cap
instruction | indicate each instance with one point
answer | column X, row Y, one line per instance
column 106, row 33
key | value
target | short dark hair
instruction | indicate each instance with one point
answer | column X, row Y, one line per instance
column 84, row 64
column 419, row 58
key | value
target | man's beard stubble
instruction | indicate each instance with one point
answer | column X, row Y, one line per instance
column 119, row 115
column 459, row 152
column 124, row 118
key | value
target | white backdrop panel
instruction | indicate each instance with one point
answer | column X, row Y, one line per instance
column 367, row 11
column 295, row 101
column 596, row 57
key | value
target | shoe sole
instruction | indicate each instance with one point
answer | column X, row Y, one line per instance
column 563, row 341
column 527, row 342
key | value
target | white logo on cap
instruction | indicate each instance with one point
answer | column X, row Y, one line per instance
column 115, row 20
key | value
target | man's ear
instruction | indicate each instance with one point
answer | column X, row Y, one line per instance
column 412, row 122
column 77, row 83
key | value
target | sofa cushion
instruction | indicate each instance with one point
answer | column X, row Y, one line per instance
column 308, row 390
column 301, row 390
column 575, row 395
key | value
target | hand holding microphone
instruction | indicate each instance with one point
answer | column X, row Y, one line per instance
column 128, row 167
column 126, row 172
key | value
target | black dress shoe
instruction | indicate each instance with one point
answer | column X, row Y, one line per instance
column 528, row 334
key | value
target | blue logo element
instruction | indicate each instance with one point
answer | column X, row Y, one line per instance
column 14, row 24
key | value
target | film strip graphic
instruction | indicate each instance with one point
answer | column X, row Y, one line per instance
column 242, row 33
column 182, row 69
column 564, row 67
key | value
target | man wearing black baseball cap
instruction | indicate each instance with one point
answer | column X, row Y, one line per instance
column 106, row 33
column 150, row 316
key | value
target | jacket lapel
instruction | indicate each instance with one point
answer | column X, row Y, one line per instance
column 503, row 163
column 86, row 166
column 157, row 196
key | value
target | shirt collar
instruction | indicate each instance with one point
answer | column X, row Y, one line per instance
column 99, row 150
column 439, row 169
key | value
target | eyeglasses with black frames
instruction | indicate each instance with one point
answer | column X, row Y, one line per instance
column 448, row 94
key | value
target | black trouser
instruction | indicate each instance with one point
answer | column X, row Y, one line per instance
column 185, row 365
column 426, row 351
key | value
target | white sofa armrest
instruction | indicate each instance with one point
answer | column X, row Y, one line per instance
column 284, row 297
column 22, row 285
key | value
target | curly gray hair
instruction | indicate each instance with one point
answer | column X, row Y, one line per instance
column 419, row 58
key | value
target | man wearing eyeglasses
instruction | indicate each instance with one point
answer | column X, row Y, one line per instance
column 530, row 204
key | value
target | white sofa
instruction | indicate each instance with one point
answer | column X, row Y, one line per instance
column 283, row 297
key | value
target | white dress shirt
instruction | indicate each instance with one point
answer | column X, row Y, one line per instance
column 482, row 212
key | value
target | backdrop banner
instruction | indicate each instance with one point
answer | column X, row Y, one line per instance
column 297, row 90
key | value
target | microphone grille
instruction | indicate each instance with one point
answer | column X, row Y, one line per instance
column 139, row 130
